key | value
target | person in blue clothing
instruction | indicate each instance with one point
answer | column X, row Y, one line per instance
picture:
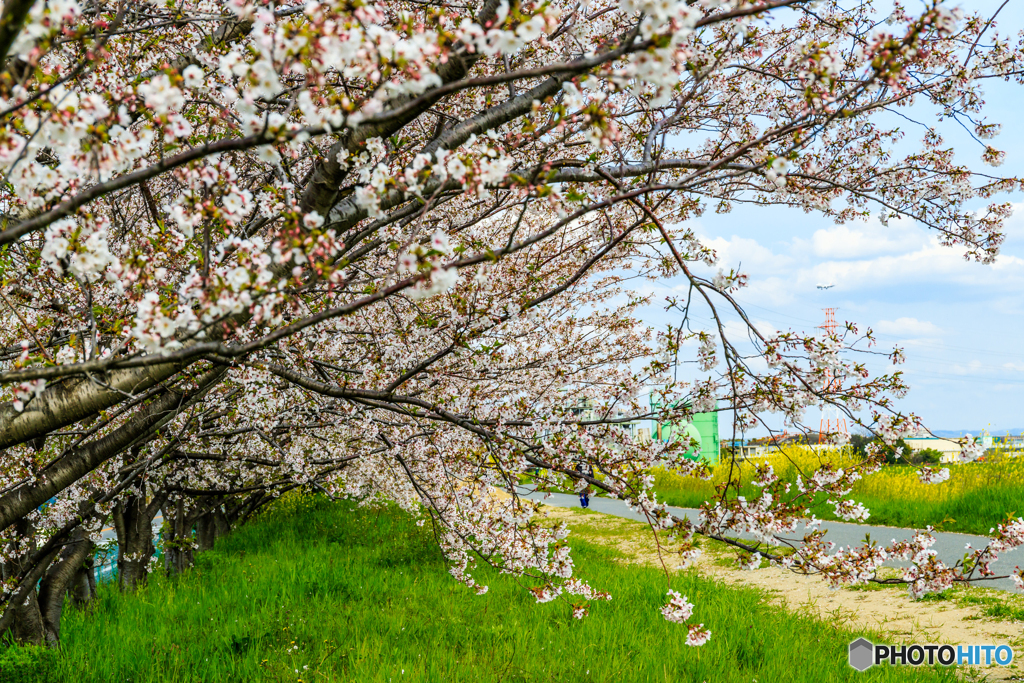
column 585, row 493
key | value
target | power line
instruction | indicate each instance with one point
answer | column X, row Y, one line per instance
column 965, row 378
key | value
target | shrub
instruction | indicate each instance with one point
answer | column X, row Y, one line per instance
column 928, row 456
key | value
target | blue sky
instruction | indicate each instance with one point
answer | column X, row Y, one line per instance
column 960, row 323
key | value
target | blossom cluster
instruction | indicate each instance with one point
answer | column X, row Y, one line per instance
column 389, row 252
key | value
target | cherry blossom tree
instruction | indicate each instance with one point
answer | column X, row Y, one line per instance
column 386, row 251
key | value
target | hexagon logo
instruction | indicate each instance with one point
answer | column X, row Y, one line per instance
column 861, row 654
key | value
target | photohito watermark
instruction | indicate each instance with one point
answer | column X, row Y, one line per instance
column 865, row 654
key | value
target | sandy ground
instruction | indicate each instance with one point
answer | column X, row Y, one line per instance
column 887, row 610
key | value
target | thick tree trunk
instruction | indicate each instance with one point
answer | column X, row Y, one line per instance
column 83, row 587
column 133, row 520
column 178, row 547
column 205, row 532
column 27, row 623
column 220, row 522
column 57, row 582
column 67, row 402
column 27, row 627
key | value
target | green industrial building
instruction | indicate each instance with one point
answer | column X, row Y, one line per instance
column 703, row 428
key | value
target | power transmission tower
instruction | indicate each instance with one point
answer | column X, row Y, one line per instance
column 832, row 420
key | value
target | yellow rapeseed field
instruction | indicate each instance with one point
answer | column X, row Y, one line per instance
column 976, row 497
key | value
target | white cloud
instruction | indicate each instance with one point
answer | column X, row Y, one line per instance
column 972, row 368
column 771, row 291
column 870, row 238
column 857, row 260
column 932, row 262
column 908, row 327
column 739, row 334
column 748, row 253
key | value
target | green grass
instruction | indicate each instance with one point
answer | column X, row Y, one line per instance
column 1004, row 611
column 29, row 664
column 994, row 604
column 360, row 595
column 977, row 497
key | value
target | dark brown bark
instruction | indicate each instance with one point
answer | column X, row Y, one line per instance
column 74, row 400
column 133, row 521
column 205, row 534
column 26, row 623
column 241, row 512
column 58, row 581
column 83, row 587
column 220, row 522
column 178, row 554
column 69, row 469
column 323, row 189
column 13, row 18
column 27, row 626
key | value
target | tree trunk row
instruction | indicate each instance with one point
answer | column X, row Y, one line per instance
column 70, row 575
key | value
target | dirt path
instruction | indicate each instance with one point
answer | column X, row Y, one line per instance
column 885, row 609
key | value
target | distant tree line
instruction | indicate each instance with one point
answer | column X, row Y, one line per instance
column 898, row 453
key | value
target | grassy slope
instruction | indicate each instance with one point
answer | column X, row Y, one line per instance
column 364, row 596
